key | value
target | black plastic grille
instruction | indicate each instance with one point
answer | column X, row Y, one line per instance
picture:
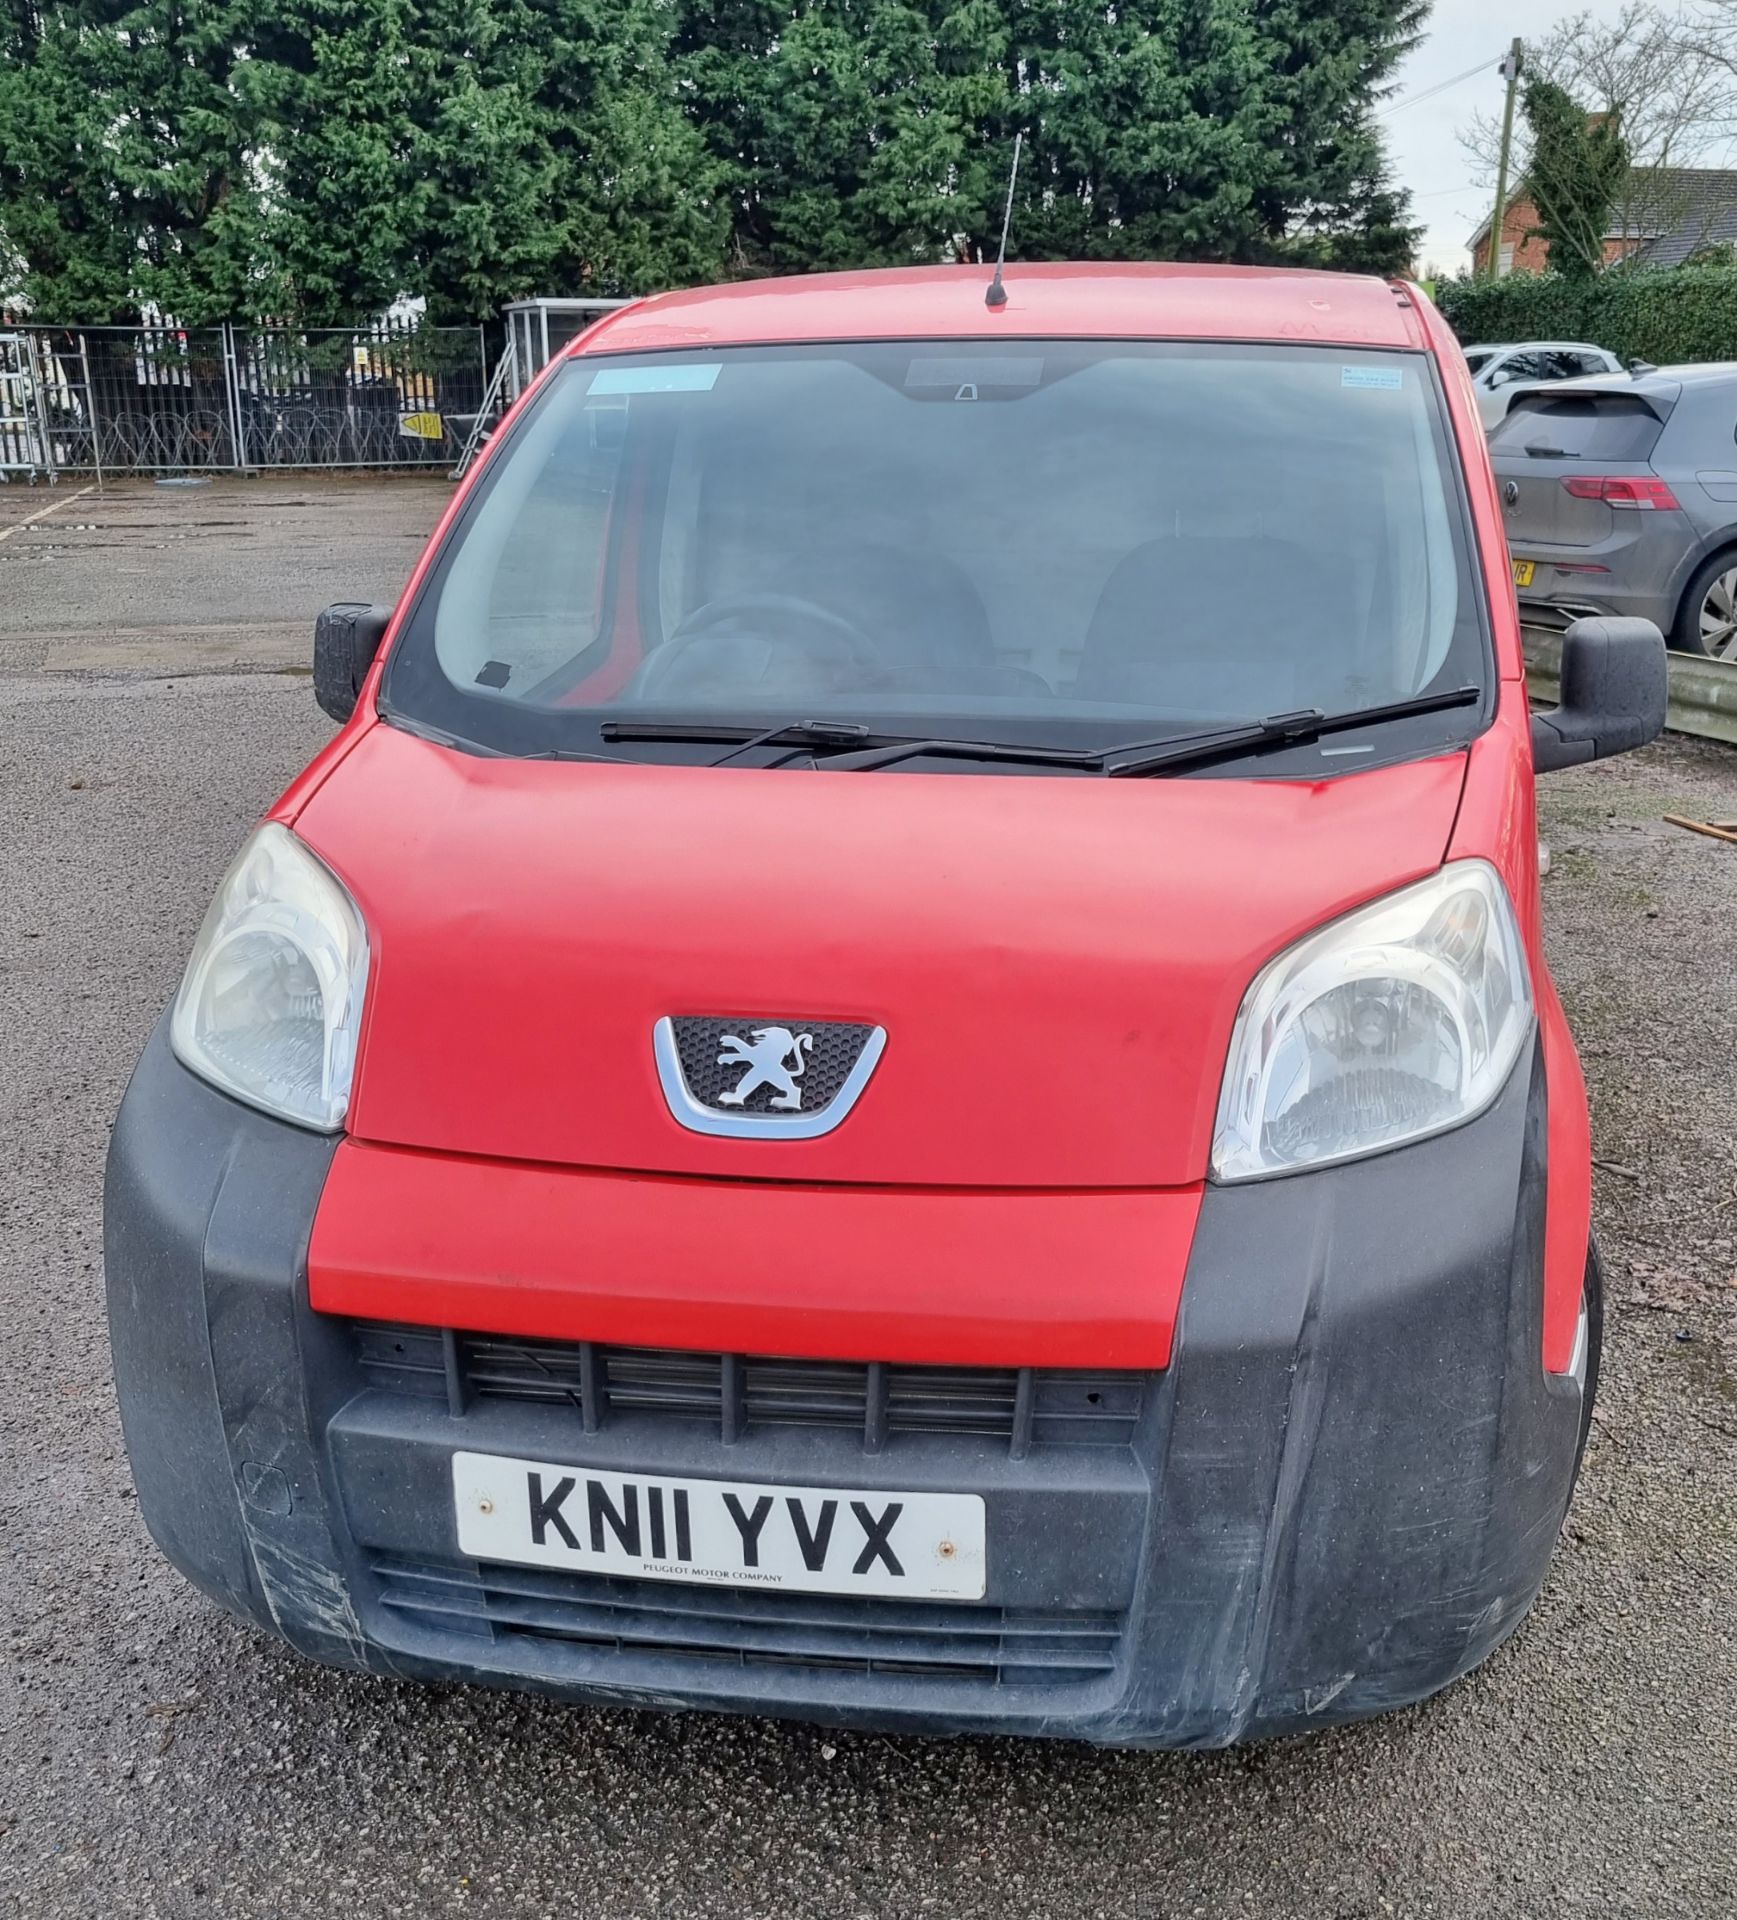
column 1025, row 1407
column 825, row 1062
column 941, row 1640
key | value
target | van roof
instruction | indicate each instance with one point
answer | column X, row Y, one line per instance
column 1134, row 300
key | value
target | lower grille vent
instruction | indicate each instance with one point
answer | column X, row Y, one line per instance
column 989, row 1645
column 1024, row 1406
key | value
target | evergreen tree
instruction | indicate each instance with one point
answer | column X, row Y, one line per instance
column 847, row 133
column 124, row 163
column 1328, row 198
column 313, row 158
column 1578, row 166
column 722, row 53
column 327, row 92
column 853, row 132
column 182, row 148
column 1363, row 227
column 548, row 154
column 60, row 207
column 1148, row 128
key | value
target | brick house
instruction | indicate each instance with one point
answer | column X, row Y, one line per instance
column 1666, row 214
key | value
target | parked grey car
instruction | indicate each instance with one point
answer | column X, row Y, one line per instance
column 1620, row 496
column 1498, row 373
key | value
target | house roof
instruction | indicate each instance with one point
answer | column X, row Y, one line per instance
column 1678, row 209
column 1669, row 211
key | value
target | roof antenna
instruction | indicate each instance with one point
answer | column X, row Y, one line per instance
column 997, row 294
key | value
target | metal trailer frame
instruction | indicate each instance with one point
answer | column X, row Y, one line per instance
column 24, row 444
column 532, row 341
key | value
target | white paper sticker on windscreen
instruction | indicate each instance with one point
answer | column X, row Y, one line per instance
column 1372, row 379
column 692, row 376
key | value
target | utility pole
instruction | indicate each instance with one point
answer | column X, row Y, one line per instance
column 1510, row 71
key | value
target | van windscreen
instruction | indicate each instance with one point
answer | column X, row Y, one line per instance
column 1043, row 541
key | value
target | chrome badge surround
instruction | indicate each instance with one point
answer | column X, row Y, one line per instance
column 697, row 1117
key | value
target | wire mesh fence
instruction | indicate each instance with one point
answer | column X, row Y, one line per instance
column 158, row 398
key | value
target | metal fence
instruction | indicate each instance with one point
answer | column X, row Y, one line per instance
column 241, row 398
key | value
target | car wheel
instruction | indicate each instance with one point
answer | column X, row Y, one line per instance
column 1707, row 619
column 1589, row 1346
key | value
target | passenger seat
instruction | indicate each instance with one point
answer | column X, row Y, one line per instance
column 1220, row 624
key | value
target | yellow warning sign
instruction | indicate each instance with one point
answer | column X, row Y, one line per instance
column 421, row 426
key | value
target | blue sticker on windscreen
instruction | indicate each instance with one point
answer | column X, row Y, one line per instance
column 1377, row 379
column 692, row 376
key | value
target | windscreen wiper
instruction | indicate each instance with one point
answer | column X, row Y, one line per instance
column 442, row 737
column 850, row 747
column 740, row 739
column 1150, row 756
column 888, row 752
column 1279, row 729
column 800, row 731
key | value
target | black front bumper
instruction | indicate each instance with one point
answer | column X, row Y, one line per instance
column 1342, row 1493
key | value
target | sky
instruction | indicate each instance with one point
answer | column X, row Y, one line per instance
column 1427, row 158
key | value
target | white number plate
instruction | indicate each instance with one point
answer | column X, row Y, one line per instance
column 914, row 1546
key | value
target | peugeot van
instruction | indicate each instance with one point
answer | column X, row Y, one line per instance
column 898, row 1070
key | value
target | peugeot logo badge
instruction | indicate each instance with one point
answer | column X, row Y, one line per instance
column 1511, row 492
column 775, row 1058
column 765, row 1079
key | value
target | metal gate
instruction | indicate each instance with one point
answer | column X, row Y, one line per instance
column 159, row 398
column 390, row 395
column 250, row 396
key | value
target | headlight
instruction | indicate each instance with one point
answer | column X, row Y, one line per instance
column 1399, row 1020
column 271, row 1002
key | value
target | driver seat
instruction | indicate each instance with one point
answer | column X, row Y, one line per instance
column 916, row 607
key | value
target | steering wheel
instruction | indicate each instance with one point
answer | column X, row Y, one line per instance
column 739, row 640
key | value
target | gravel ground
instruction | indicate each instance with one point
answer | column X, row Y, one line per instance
column 158, row 1759
column 186, row 579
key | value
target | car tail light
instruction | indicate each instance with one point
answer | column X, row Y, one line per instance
column 1621, row 490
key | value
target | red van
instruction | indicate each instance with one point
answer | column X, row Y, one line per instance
column 899, row 1069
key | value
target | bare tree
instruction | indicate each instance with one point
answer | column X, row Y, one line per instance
column 1663, row 77
column 1708, row 28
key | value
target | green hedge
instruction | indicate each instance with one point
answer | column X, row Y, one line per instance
column 1665, row 314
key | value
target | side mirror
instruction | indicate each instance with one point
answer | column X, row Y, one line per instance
column 346, row 639
column 1612, row 696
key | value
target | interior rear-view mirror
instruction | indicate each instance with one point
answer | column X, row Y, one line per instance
column 1612, row 697
column 346, row 639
